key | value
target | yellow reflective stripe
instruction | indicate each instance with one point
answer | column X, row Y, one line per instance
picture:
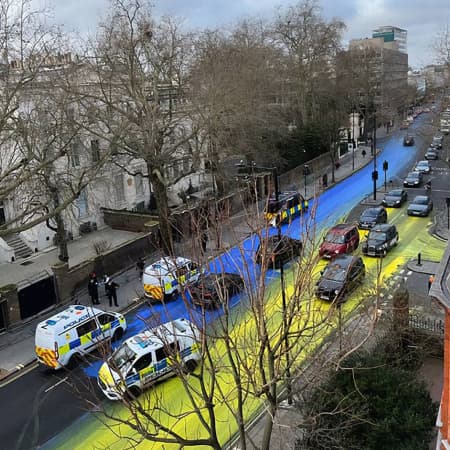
column 146, row 371
column 86, row 339
column 63, row 349
column 168, row 286
column 182, row 279
column 194, row 348
column 106, row 327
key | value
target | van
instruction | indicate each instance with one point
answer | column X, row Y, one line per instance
column 150, row 356
column 163, row 279
column 64, row 338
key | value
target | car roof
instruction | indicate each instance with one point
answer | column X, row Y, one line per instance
column 69, row 317
column 376, row 209
column 166, row 265
column 423, row 162
column 382, row 227
column 395, row 191
column 414, row 174
column 342, row 228
column 344, row 260
column 420, row 197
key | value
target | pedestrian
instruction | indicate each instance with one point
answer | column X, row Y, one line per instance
column 430, row 281
column 363, row 153
column 111, row 291
column 140, row 265
column 93, row 288
column 204, row 239
column 325, row 180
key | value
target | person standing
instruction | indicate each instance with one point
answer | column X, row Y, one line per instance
column 140, row 265
column 111, row 291
column 430, row 281
column 93, row 288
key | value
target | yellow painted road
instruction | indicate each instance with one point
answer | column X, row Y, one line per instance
column 174, row 408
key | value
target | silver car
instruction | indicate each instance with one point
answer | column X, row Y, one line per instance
column 423, row 166
column 421, row 206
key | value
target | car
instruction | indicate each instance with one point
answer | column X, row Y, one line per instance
column 380, row 240
column 437, row 142
column 431, row 154
column 408, row 140
column 395, row 198
column 423, row 166
column 421, row 205
column 372, row 216
column 404, row 125
column 277, row 251
column 212, row 289
column 342, row 238
column 341, row 276
column 413, row 179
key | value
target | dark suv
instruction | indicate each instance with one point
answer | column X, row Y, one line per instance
column 341, row 276
column 380, row 240
column 371, row 217
column 341, row 239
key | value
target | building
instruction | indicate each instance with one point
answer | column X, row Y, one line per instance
column 392, row 34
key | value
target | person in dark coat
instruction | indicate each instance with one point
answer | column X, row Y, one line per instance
column 140, row 266
column 93, row 288
column 111, row 291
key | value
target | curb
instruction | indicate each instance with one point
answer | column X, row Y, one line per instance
column 7, row 377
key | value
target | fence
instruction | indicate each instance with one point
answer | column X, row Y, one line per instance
column 427, row 324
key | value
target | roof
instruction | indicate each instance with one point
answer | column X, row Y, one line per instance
column 383, row 227
column 165, row 265
column 69, row 317
column 342, row 228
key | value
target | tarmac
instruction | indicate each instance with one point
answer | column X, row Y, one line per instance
column 17, row 343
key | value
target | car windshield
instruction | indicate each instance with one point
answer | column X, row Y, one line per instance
column 335, row 272
column 413, row 175
column 377, row 235
column 334, row 238
column 420, row 201
column 122, row 356
column 370, row 213
column 395, row 193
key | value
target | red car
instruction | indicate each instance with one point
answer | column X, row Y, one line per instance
column 341, row 239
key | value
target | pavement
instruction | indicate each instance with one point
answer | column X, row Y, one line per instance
column 17, row 343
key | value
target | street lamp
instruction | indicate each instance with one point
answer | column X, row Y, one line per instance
column 374, row 152
column 306, row 172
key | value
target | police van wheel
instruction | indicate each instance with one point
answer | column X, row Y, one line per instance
column 174, row 294
column 133, row 392
column 74, row 361
column 117, row 335
column 190, row 365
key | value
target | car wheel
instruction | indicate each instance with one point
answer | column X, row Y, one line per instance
column 174, row 294
column 117, row 335
column 190, row 365
column 133, row 392
column 74, row 361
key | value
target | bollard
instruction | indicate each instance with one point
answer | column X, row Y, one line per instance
column 419, row 259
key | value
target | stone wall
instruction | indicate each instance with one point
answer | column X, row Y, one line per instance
column 136, row 222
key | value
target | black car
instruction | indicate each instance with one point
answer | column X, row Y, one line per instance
column 372, row 216
column 343, row 274
column 422, row 205
column 277, row 252
column 437, row 142
column 213, row 289
column 408, row 140
column 395, row 198
column 380, row 240
column 431, row 154
column 413, row 179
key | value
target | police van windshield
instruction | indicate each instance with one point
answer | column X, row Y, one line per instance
column 122, row 356
column 272, row 207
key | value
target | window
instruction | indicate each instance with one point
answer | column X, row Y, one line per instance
column 74, row 154
column 119, row 188
column 143, row 362
column 82, row 204
column 95, row 150
column 138, row 182
column 106, row 318
column 86, row 327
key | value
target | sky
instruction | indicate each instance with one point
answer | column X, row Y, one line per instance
column 421, row 18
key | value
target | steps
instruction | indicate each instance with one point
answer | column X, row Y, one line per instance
column 21, row 250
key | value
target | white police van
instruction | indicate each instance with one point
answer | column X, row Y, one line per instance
column 163, row 279
column 62, row 339
column 149, row 356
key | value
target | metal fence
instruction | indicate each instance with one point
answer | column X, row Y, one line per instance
column 427, row 324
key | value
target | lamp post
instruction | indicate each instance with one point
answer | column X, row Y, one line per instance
column 374, row 152
column 283, row 292
column 306, row 172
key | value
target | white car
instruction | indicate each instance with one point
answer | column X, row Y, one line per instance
column 423, row 166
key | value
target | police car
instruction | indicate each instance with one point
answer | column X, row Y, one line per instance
column 163, row 279
column 149, row 356
column 62, row 339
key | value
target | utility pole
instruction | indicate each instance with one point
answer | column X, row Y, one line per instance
column 374, row 143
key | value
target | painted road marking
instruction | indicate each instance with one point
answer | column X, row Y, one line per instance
column 56, row 384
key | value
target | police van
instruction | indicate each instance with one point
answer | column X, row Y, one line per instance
column 63, row 338
column 149, row 356
column 163, row 279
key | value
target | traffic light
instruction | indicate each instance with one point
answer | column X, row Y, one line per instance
column 385, row 166
column 375, row 175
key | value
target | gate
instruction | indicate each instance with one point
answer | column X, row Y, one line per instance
column 36, row 295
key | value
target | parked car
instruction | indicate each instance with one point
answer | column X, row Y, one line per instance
column 431, row 154
column 413, row 179
column 342, row 238
column 423, row 166
column 421, row 205
column 404, row 125
column 380, row 240
column 342, row 275
column 277, row 252
column 408, row 140
column 372, row 216
column 212, row 289
column 395, row 198
column 437, row 142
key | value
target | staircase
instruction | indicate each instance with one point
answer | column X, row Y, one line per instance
column 21, row 250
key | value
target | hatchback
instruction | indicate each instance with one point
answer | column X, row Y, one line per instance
column 277, row 251
column 372, row 216
column 341, row 239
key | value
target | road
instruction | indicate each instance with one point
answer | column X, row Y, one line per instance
column 54, row 407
